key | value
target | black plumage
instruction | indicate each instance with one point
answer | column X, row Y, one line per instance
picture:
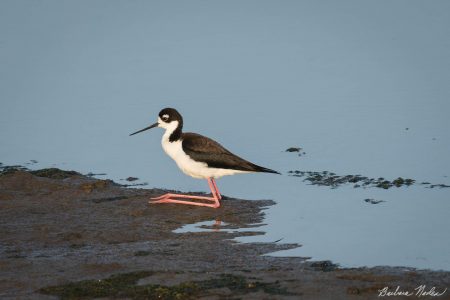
column 203, row 149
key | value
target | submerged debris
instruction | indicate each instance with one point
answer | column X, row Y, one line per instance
column 373, row 201
column 90, row 174
column 132, row 179
column 439, row 186
column 135, row 184
column 299, row 150
column 332, row 180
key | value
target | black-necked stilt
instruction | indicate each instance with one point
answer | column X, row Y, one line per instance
column 198, row 157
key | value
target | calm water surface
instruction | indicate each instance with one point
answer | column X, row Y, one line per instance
column 341, row 80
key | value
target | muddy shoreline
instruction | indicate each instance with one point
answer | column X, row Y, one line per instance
column 63, row 235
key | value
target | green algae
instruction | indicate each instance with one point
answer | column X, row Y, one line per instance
column 121, row 286
column 125, row 286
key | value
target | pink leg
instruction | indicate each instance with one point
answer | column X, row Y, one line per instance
column 171, row 198
column 216, row 189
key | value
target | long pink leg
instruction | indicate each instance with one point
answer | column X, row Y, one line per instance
column 216, row 188
column 171, row 198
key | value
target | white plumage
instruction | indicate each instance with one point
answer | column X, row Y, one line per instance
column 185, row 163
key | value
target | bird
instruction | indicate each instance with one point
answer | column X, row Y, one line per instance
column 199, row 157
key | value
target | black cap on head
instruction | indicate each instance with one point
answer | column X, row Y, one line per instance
column 168, row 115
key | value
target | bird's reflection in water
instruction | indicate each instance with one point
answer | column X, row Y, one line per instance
column 216, row 225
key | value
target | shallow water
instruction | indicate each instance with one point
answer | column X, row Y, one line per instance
column 360, row 95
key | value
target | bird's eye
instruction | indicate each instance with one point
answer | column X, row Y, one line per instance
column 165, row 117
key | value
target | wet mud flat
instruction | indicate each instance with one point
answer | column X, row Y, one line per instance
column 69, row 236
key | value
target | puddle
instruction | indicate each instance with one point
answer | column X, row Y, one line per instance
column 216, row 226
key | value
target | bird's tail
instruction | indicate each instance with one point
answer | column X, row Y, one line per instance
column 265, row 170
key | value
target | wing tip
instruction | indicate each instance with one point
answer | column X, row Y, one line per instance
column 266, row 170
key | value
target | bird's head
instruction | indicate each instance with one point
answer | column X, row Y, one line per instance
column 168, row 118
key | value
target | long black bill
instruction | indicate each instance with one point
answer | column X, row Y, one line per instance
column 146, row 128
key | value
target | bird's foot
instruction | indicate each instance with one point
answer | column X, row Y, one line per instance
column 171, row 198
column 171, row 195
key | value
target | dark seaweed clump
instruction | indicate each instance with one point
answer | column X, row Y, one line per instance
column 54, row 173
column 299, row 150
column 5, row 170
column 332, row 180
column 439, row 186
column 373, row 201
column 125, row 286
column 324, row 266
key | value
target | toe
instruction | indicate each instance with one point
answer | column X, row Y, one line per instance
column 160, row 197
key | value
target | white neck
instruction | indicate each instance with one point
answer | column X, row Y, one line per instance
column 170, row 128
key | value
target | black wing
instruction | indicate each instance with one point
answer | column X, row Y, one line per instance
column 203, row 149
